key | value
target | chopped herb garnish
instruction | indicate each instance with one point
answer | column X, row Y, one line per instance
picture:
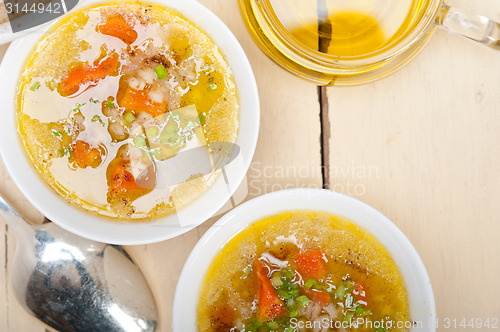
column 341, row 292
column 161, row 72
column 288, row 274
column 272, row 325
column 380, row 329
column 348, row 316
column 65, row 152
column 289, row 329
column 203, row 118
column 207, row 69
column 284, row 294
column 349, row 301
column 276, row 280
column 93, row 100
column 110, row 102
column 55, row 133
column 303, row 300
column 212, row 87
column 129, row 117
column 294, row 313
column 139, row 141
column 97, row 118
column 359, row 310
column 78, row 107
column 309, row 283
column 35, row 86
column 246, row 271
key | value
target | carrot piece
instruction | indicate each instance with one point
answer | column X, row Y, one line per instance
column 116, row 26
column 84, row 155
column 84, row 74
column 225, row 316
column 310, row 264
column 139, row 101
column 270, row 305
column 359, row 292
column 319, row 297
column 122, row 180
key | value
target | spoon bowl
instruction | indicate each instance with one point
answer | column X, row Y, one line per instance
column 74, row 284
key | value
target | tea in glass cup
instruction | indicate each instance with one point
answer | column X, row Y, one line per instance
column 349, row 42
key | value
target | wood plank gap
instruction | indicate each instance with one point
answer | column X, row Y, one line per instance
column 324, row 39
column 6, row 247
column 324, row 136
column 6, row 236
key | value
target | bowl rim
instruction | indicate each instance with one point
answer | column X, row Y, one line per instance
column 78, row 221
column 184, row 314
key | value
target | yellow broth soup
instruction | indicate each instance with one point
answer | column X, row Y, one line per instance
column 303, row 271
column 112, row 95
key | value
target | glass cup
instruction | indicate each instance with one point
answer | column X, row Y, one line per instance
column 299, row 34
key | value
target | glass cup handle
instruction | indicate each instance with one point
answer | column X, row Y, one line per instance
column 474, row 27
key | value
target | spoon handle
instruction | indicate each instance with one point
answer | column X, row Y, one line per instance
column 12, row 218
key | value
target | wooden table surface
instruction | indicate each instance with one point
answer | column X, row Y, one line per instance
column 422, row 146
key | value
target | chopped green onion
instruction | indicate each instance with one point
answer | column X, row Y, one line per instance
column 359, row 310
column 290, row 303
column 294, row 313
column 203, row 118
column 207, row 69
column 139, row 141
column 212, row 87
column 349, row 301
column 152, row 131
column 321, row 286
column 303, row 300
column 367, row 312
column 161, row 72
column 129, row 117
column 288, row 274
column 348, row 316
column 35, row 86
column 284, row 294
column 65, row 152
column 78, row 107
column 276, row 280
column 55, row 133
column 289, row 329
column 272, row 325
column 246, row 271
column 349, row 286
column 110, row 102
column 97, row 118
column 380, row 329
column 309, row 283
column 93, row 100
column 341, row 292
column 252, row 327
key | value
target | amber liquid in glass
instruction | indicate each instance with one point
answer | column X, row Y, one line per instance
column 344, row 27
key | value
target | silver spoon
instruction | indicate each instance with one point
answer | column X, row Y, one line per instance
column 77, row 285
